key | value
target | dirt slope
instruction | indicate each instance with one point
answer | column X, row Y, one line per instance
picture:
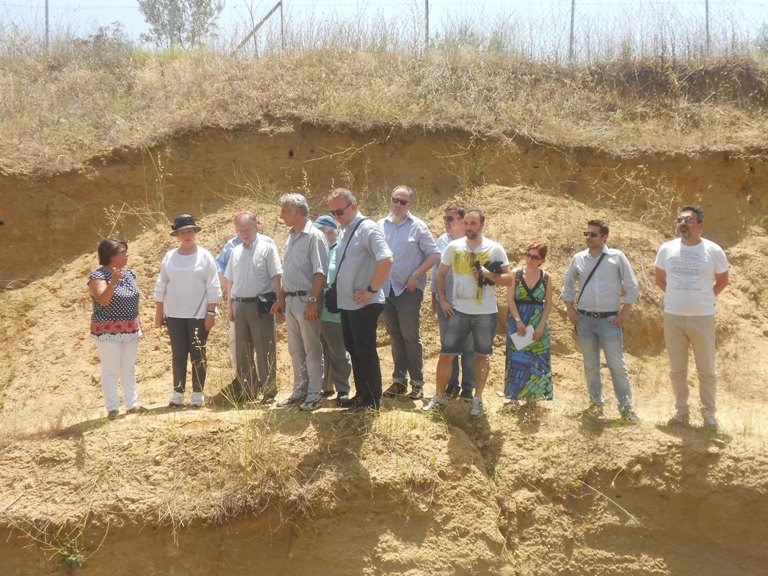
column 538, row 491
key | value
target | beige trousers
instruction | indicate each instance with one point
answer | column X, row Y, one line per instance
column 698, row 332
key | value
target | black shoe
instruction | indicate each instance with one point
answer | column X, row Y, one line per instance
column 349, row 402
column 396, row 389
column 364, row 407
column 267, row 400
column 467, row 394
column 326, row 393
column 341, row 397
column 416, row 393
column 452, row 392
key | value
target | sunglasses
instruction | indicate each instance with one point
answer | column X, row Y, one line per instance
column 340, row 211
column 686, row 219
column 532, row 256
column 400, row 201
column 448, row 218
column 591, row 234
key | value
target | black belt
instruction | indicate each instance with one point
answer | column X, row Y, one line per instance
column 298, row 293
column 598, row 314
column 249, row 299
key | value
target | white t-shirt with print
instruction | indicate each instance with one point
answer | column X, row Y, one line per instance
column 466, row 298
column 690, row 276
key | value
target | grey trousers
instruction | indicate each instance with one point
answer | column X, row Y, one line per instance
column 337, row 366
column 401, row 318
column 255, row 333
column 305, row 349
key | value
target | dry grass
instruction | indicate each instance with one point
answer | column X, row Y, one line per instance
column 61, row 108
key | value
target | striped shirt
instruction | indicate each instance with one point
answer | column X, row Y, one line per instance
column 306, row 254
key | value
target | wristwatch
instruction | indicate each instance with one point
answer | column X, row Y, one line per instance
column 313, row 298
column 371, row 290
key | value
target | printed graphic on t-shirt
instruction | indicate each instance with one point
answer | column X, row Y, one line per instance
column 466, row 287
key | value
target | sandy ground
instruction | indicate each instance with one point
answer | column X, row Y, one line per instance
column 540, row 490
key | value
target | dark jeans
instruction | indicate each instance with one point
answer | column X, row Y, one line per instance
column 188, row 338
column 467, row 358
column 359, row 329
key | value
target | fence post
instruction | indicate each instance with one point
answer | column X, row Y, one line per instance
column 46, row 25
column 426, row 25
column 570, row 38
column 282, row 27
column 706, row 8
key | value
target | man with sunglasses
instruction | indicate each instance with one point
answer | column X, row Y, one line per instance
column 414, row 252
column 453, row 221
column 362, row 266
column 602, row 274
column 691, row 271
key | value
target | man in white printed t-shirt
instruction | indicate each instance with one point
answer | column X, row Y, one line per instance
column 478, row 265
column 691, row 271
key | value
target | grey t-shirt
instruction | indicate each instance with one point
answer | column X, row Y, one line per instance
column 366, row 247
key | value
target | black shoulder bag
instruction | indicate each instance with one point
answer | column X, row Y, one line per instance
column 331, row 295
column 581, row 288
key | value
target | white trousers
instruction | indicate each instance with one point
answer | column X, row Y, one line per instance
column 118, row 363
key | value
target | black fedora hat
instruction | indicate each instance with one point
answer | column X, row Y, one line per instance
column 184, row 221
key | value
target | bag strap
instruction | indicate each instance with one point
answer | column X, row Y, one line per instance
column 583, row 286
column 344, row 253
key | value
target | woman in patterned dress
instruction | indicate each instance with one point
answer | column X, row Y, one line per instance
column 529, row 300
column 115, row 325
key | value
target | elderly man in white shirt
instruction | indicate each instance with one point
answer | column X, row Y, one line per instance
column 254, row 276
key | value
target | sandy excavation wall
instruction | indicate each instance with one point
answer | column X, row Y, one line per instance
column 49, row 221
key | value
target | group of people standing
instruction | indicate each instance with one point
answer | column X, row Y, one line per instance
column 332, row 288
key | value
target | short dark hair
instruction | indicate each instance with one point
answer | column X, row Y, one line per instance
column 476, row 211
column 541, row 247
column 603, row 226
column 698, row 211
column 108, row 248
column 460, row 210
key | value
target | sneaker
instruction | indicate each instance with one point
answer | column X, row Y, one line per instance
column 311, row 405
column 136, row 410
column 364, row 407
column 452, row 392
column 113, row 414
column 477, row 409
column 710, row 423
column 290, row 401
column 594, row 410
column 679, row 419
column 416, row 393
column 197, row 400
column 177, row 400
column 630, row 417
column 435, row 404
column 396, row 389
column 267, row 399
column 467, row 394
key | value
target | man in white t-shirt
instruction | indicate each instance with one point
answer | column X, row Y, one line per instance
column 691, row 271
column 478, row 265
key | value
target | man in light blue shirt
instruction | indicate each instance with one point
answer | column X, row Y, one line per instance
column 414, row 252
column 362, row 267
column 602, row 274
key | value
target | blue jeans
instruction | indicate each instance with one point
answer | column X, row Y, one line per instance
column 467, row 358
column 482, row 328
column 597, row 333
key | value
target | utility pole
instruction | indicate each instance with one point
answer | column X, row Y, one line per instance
column 706, row 7
column 426, row 25
column 570, row 38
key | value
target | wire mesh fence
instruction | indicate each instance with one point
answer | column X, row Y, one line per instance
column 537, row 30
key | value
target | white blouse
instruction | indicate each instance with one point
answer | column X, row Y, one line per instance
column 187, row 283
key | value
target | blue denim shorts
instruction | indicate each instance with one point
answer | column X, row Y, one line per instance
column 460, row 325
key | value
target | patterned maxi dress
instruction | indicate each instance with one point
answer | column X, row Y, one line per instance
column 529, row 371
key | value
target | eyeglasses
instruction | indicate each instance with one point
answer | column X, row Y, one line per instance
column 532, row 256
column 340, row 211
column 448, row 218
column 122, row 252
column 686, row 219
column 591, row 234
column 400, row 201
